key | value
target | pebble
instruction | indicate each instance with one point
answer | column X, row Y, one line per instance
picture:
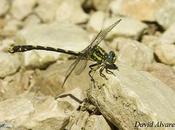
column 133, row 53
column 9, row 64
column 166, row 53
column 22, row 8
column 4, row 6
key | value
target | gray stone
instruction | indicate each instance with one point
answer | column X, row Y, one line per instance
column 132, row 96
column 133, row 53
column 166, row 53
column 4, row 6
column 139, row 9
column 165, row 16
column 168, row 37
column 21, row 8
column 128, row 27
column 52, row 35
column 9, row 64
column 163, row 72
column 71, row 11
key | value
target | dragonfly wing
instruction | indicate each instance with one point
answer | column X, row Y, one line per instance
column 80, row 67
column 100, row 36
column 70, row 70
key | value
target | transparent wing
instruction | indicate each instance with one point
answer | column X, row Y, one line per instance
column 80, row 67
column 100, row 36
column 70, row 70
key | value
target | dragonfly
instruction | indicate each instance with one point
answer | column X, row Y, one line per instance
column 93, row 52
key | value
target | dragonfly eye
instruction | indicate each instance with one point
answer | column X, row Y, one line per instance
column 111, row 57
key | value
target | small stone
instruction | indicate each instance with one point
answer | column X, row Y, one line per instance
column 166, row 53
column 46, row 9
column 101, row 5
column 133, row 53
column 32, row 20
column 4, row 6
column 71, row 11
column 166, row 15
column 127, row 27
column 21, row 8
column 9, row 64
column 144, row 10
column 14, row 108
column 52, row 35
column 150, row 41
column 168, row 37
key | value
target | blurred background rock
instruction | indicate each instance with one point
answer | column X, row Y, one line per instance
column 143, row 41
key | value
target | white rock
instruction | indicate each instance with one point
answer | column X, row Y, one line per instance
column 52, row 35
column 132, row 96
column 8, row 64
column 168, row 37
column 32, row 20
column 46, row 9
column 12, row 109
column 71, row 11
column 165, row 16
column 128, row 27
column 21, row 8
column 4, row 6
column 139, row 9
column 133, row 53
column 166, row 53
column 101, row 4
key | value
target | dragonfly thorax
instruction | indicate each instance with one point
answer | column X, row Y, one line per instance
column 111, row 57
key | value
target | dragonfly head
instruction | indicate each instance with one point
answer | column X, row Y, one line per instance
column 111, row 57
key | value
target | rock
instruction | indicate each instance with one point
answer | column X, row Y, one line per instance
column 101, row 5
column 165, row 16
column 71, row 11
column 128, row 27
column 19, row 83
column 15, row 108
column 21, row 8
column 9, row 64
column 82, row 120
column 35, row 112
column 144, row 10
column 166, row 53
column 168, row 37
column 132, row 96
column 46, row 9
column 163, row 72
column 150, row 41
column 32, row 20
column 52, row 35
column 133, row 53
column 4, row 6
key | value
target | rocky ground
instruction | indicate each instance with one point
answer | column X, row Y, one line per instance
column 142, row 90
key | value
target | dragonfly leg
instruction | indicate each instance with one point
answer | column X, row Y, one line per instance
column 101, row 73
column 93, row 68
column 109, row 71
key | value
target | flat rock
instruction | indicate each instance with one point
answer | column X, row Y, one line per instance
column 166, row 53
column 128, row 27
column 166, row 15
column 82, row 120
column 132, row 96
column 133, row 53
column 163, row 72
column 9, row 64
column 139, row 9
column 168, row 37
column 4, row 6
column 21, row 8
column 52, row 35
